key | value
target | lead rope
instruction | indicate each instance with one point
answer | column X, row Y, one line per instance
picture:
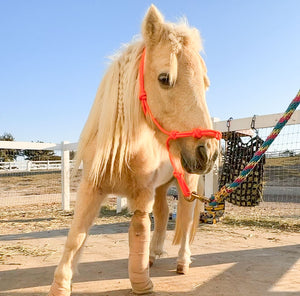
column 221, row 195
column 172, row 135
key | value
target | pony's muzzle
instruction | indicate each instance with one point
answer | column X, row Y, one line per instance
column 203, row 158
column 201, row 153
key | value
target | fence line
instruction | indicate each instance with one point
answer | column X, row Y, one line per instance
column 211, row 179
column 31, row 165
column 261, row 121
column 244, row 124
column 64, row 148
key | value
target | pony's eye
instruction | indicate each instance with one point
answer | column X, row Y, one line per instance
column 163, row 79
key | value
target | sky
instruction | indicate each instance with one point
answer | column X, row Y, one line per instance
column 53, row 55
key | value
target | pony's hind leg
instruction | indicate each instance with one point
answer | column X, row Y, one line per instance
column 161, row 215
column 86, row 208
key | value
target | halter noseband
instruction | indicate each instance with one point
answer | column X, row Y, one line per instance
column 172, row 135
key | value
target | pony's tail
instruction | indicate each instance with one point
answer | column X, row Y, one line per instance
column 178, row 229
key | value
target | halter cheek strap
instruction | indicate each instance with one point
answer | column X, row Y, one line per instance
column 172, row 135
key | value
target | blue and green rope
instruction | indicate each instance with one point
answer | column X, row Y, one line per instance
column 221, row 195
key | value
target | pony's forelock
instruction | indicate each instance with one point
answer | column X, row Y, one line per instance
column 180, row 35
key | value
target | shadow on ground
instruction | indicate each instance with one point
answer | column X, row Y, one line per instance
column 251, row 265
column 121, row 227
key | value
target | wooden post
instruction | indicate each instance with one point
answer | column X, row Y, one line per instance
column 121, row 204
column 65, row 177
column 211, row 179
column 28, row 167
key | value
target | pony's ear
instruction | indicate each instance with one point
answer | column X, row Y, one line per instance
column 152, row 26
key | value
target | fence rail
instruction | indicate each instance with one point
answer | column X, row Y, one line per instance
column 260, row 121
column 211, row 179
column 28, row 165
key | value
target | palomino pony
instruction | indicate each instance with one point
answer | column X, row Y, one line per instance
column 123, row 150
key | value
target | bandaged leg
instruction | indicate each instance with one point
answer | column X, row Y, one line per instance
column 139, row 240
column 57, row 290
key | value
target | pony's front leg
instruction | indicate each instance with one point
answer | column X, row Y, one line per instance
column 186, row 224
column 185, row 217
column 139, row 241
column 87, row 207
column 161, row 215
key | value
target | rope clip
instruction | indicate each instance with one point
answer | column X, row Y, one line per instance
column 194, row 195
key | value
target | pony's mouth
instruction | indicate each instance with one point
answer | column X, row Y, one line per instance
column 193, row 167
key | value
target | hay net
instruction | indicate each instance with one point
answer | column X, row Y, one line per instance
column 238, row 152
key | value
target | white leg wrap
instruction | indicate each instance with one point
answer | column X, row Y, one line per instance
column 55, row 290
column 139, row 240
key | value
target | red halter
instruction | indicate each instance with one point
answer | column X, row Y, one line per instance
column 172, row 135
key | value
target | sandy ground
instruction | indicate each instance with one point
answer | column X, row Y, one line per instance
column 233, row 257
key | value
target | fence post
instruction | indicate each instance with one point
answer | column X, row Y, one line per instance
column 65, row 177
column 211, row 179
column 28, row 166
column 121, row 204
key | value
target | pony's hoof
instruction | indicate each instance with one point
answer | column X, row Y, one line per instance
column 182, row 269
column 138, row 290
column 56, row 290
column 151, row 260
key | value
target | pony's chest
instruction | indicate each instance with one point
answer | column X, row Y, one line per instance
column 152, row 164
column 163, row 174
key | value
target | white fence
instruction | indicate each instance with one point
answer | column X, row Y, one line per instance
column 244, row 124
column 29, row 165
column 211, row 179
column 64, row 166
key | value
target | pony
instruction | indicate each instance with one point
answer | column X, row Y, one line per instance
column 124, row 153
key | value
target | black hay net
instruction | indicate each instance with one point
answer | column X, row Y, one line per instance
column 238, row 152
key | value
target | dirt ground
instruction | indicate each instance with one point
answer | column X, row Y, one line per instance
column 250, row 252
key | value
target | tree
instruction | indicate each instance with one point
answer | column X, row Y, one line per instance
column 40, row 154
column 8, row 154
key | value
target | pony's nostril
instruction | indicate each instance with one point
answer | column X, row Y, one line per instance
column 202, row 153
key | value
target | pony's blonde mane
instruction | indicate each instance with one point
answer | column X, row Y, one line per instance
column 115, row 117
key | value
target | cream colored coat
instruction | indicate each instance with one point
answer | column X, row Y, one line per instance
column 124, row 153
